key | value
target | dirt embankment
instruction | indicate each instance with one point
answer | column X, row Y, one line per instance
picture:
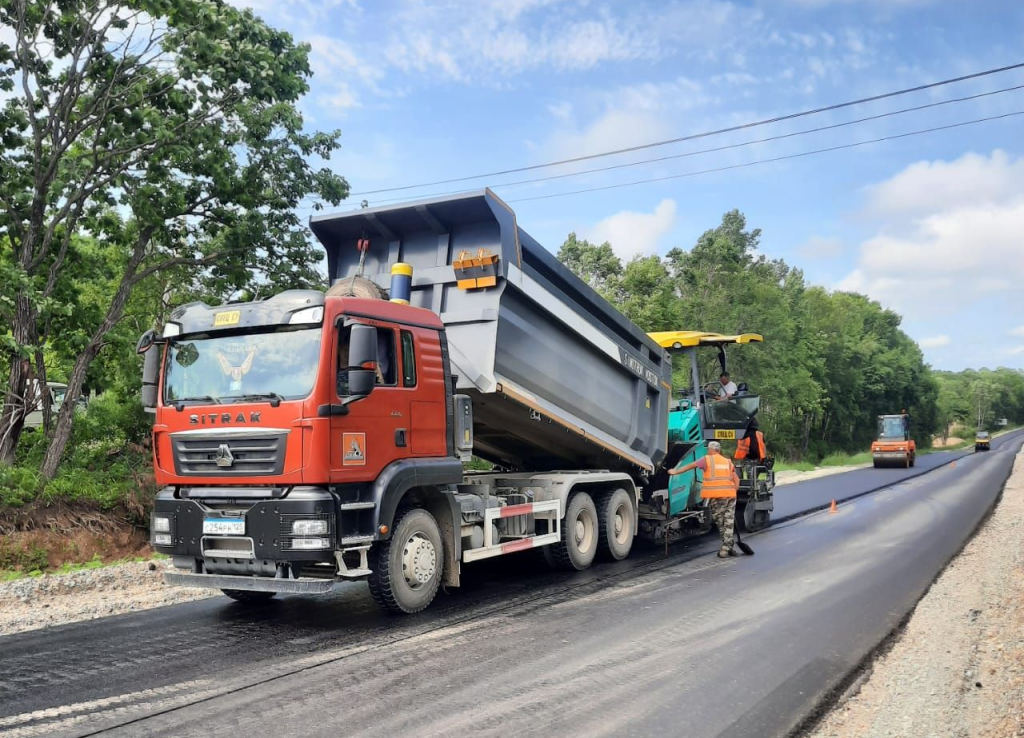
column 41, row 538
column 957, row 669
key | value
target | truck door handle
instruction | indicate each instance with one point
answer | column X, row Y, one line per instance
column 400, row 437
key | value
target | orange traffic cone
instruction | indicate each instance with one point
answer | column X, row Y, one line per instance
column 954, row 465
column 832, row 510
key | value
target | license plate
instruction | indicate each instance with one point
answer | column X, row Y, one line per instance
column 231, row 317
column 224, row 526
column 725, row 435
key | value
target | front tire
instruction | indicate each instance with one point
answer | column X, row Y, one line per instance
column 407, row 567
column 248, row 598
column 616, row 523
column 580, row 535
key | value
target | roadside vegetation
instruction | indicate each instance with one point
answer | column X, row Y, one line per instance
column 831, row 361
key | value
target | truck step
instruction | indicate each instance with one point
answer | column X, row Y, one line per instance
column 357, row 505
column 356, row 540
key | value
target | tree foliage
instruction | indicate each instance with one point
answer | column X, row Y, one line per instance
column 157, row 143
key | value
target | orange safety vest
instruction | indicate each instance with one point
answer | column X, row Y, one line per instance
column 718, row 481
column 743, row 447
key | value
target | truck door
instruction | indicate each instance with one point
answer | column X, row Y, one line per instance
column 375, row 431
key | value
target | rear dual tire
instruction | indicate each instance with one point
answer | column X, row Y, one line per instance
column 616, row 519
column 590, row 528
column 580, row 534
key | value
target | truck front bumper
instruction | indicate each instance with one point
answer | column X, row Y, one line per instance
column 264, row 530
column 250, row 584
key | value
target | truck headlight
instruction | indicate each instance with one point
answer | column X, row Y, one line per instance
column 310, row 544
column 161, row 524
column 309, row 527
column 163, row 539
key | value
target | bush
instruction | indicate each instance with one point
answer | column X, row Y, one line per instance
column 18, row 485
column 107, row 464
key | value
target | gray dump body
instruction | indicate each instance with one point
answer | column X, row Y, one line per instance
column 559, row 378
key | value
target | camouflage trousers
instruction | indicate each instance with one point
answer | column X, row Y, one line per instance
column 723, row 512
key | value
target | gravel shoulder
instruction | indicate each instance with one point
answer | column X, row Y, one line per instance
column 956, row 670
column 56, row 599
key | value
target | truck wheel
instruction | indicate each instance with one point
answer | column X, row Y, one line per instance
column 407, row 567
column 616, row 520
column 579, row 541
column 249, row 598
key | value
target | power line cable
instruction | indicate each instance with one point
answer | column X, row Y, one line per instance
column 716, row 149
column 705, row 134
column 773, row 159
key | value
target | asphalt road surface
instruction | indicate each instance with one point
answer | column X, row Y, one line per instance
column 684, row 645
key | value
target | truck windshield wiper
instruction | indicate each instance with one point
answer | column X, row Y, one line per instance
column 274, row 398
column 181, row 401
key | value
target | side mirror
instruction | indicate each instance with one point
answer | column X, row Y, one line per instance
column 150, row 368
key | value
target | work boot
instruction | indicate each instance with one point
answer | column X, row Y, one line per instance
column 724, row 553
column 732, row 552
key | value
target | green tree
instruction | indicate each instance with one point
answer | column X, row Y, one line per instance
column 598, row 266
column 168, row 130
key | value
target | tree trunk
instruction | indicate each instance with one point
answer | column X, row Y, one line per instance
column 65, row 419
column 12, row 420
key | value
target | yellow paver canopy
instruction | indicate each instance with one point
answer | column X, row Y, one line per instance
column 683, row 339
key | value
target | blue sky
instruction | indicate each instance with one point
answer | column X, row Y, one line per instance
column 930, row 225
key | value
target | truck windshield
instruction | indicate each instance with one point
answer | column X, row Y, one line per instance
column 230, row 368
column 891, row 428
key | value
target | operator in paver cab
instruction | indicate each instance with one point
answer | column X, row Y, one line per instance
column 751, row 446
column 719, row 489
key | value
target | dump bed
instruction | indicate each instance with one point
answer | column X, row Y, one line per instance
column 559, row 378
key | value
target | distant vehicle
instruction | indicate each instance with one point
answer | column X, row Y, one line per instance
column 58, row 392
column 982, row 441
column 894, row 446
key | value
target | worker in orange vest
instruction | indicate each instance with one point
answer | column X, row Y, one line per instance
column 743, row 446
column 719, row 489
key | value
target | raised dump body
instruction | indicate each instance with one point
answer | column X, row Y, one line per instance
column 558, row 377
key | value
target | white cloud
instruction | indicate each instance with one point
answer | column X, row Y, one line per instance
column 948, row 234
column 335, row 66
column 929, row 187
column 817, row 247
column 1016, row 351
column 631, row 233
column 625, row 116
column 1018, row 331
column 935, row 342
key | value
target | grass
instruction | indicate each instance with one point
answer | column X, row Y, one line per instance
column 803, row 466
column 846, row 459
